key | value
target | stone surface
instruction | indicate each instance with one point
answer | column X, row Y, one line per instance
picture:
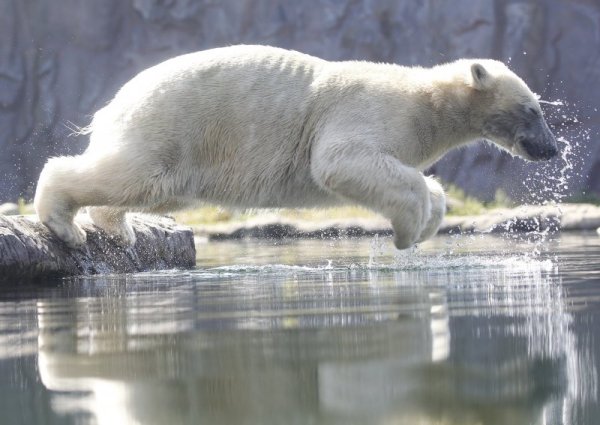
column 526, row 218
column 275, row 227
column 565, row 217
column 29, row 251
column 64, row 59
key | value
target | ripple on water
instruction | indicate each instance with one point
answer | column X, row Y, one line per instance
column 510, row 263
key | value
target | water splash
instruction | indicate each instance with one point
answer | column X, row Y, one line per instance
column 460, row 252
column 550, row 102
column 281, row 269
column 550, row 183
column 383, row 258
column 512, row 264
column 377, row 249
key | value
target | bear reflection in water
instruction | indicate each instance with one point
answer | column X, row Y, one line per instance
column 227, row 353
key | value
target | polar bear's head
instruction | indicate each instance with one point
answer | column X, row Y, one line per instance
column 509, row 113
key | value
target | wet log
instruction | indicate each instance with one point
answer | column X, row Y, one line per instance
column 29, row 251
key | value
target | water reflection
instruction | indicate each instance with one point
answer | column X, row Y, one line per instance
column 492, row 342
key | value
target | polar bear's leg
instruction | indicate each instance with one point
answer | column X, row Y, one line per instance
column 377, row 181
column 438, row 209
column 114, row 222
column 54, row 203
column 68, row 183
column 112, row 182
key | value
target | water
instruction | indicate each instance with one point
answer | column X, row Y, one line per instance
column 466, row 330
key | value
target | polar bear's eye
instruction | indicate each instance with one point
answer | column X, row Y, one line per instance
column 532, row 111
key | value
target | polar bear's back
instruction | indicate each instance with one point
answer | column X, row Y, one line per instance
column 235, row 117
column 224, row 80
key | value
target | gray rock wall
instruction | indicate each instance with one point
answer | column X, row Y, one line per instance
column 60, row 60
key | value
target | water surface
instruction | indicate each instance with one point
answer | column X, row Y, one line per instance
column 464, row 330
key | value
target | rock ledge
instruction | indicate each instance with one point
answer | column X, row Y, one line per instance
column 527, row 218
column 29, row 251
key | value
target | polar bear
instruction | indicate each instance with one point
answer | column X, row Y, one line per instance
column 258, row 126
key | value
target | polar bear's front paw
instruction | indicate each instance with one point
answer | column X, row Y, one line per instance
column 413, row 219
column 70, row 233
column 438, row 209
column 402, row 242
column 405, row 235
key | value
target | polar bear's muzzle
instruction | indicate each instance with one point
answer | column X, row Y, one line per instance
column 537, row 151
column 536, row 141
column 523, row 132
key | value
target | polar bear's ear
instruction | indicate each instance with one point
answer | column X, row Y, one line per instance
column 481, row 78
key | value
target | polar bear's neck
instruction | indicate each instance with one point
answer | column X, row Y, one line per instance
column 448, row 115
column 427, row 111
column 454, row 108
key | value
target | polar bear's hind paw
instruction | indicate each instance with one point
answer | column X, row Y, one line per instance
column 70, row 233
column 114, row 222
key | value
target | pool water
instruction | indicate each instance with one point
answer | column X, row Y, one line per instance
column 462, row 330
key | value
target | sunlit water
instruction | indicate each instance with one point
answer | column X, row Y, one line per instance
column 464, row 330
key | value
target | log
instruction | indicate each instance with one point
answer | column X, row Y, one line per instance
column 29, row 251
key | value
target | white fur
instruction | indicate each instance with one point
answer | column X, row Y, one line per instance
column 253, row 126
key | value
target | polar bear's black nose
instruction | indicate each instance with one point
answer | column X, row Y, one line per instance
column 552, row 152
column 539, row 151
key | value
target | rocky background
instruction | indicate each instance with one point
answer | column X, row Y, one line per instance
column 61, row 60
